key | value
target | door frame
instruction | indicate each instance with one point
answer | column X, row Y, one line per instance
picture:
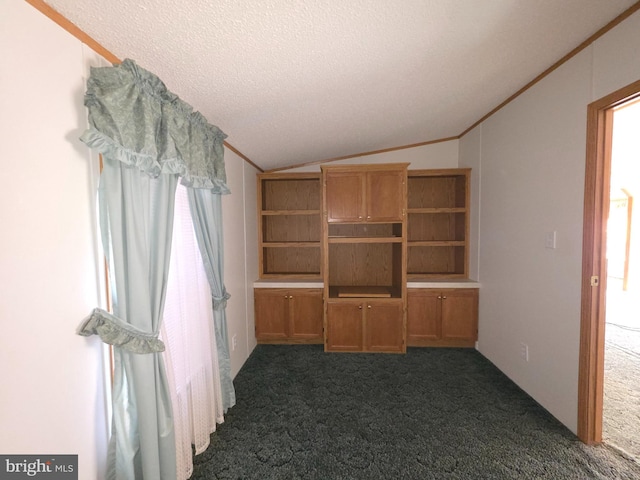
column 594, row 243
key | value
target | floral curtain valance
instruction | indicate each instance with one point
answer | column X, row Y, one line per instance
column 134, row 118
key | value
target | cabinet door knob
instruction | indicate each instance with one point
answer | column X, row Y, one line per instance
column 439, row 297
column 359, row 307
column 444, row 297
column 291, row 296
column 368, row 306
column 286, row 296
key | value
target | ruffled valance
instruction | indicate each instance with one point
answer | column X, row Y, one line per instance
column 118, row 333
column 133, row 118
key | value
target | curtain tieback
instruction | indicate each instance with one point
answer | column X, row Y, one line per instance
column 116, row 332
column 221, row 302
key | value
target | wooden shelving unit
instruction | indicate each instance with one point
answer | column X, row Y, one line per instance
column 364, row 240
column 289, row 226
column 438, row 224
column 363, row 232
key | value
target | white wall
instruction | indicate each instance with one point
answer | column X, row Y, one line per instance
column 531, row 160
column 251, row 250
column 240, row 252
column 435, row 155
column 52, row 399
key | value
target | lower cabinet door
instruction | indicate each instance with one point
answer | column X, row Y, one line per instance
column 344, row 327
column 460, row 315
column 384, row 327
column 272, row 314
column 423, row 316
column 442, row 318
column 305, row 324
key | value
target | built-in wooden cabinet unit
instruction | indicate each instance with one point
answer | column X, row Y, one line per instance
column 364, row 268
column 442, row 317
column 438, row 224
column 364, row 231
column 365, row 325
column 289, row 226
column 288, row 315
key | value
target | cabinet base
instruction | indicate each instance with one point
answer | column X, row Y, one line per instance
column 400, row 352
column 442, row 343
column 289, row 341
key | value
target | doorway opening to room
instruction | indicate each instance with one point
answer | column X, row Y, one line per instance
column 621, row 395
column 609, row 386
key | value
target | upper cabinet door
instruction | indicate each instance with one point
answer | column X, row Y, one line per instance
column 385, row 197
column 365, row 193
column 345, row 197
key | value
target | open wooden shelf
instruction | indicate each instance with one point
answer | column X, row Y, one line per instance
column 438, row 223
column 289, row 226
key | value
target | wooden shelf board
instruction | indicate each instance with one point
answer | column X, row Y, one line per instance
column 290, row 244
column 365, row 239
column 426, row 276
column 293, row 275
column 437, row 210
column 436, row 243
column 364, row 292
column 290, row 212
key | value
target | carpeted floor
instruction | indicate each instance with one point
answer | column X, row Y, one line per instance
column 429, row 414
column 621, row 403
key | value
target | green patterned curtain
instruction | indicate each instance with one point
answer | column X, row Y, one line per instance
column 149, row 139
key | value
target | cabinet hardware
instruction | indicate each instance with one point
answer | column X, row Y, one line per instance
column 439, row 297
column 359, row 307
column 444, row 297
column 368, row 306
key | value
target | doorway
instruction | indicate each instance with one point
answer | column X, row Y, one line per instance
column 621, row 396
column 599, row 187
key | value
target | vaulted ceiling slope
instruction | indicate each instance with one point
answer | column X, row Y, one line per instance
column 295, row 81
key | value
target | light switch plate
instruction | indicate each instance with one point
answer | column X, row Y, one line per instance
column 550, row 240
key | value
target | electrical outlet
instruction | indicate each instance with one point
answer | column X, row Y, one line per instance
column 524, row 351
column 234, row 343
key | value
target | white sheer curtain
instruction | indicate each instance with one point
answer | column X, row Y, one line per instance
column 190, row 355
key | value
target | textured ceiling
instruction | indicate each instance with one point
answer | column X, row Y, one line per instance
column 299, row 81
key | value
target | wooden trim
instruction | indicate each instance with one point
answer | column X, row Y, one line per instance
column 612, row 24
column 596, row 206
column 66, row 24
column 363, row 154
column 373, row 167
column 74, row 30
column 242, row 156
column 439, row 172
column 289, row 176
column 627, row 104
